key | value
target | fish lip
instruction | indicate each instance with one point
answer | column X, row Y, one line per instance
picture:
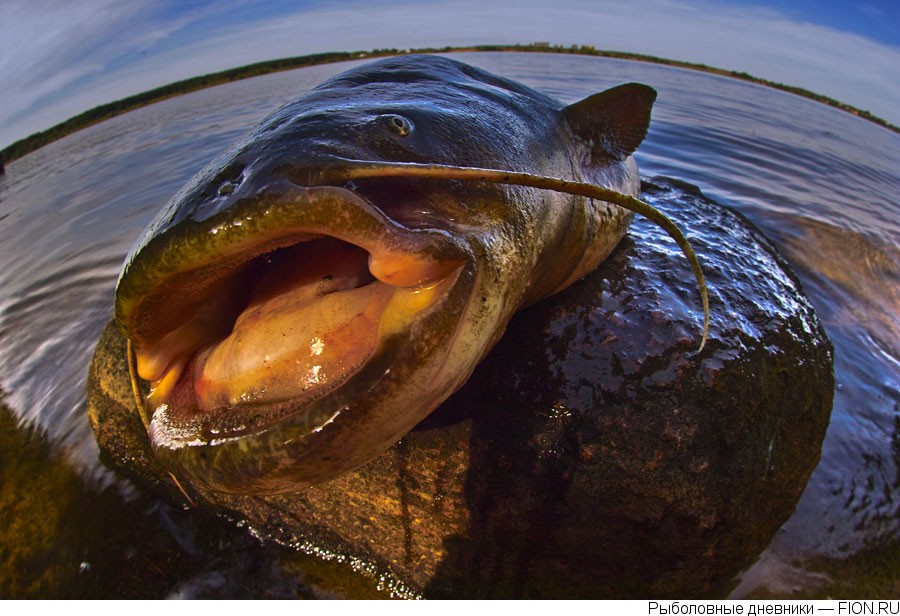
column 169, row 433
column 156, row 259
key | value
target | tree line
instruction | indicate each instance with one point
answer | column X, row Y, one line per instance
column 103, row 112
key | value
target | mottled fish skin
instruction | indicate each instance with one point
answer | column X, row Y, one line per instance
column 502, row 246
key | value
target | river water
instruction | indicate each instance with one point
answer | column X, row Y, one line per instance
column 821, row 183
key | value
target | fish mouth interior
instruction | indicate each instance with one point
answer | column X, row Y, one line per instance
column 238, row 346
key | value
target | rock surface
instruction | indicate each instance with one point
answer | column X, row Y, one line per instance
column 594, row 453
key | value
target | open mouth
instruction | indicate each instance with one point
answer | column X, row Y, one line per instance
column 259, row 316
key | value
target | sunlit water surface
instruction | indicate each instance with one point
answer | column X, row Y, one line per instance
column 822, row 184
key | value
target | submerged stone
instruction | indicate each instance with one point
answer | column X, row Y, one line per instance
column 594, row 452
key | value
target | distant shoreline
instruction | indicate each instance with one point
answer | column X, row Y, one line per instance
column 104, row 112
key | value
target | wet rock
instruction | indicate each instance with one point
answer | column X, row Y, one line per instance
column 594, row 453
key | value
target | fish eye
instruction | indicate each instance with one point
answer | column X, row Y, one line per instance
column 398, row 124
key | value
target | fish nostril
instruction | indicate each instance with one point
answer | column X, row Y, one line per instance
column 229, row 179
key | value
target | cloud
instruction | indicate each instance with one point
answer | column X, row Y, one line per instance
column 56, row 52
column 70, row 56
column 50, row 45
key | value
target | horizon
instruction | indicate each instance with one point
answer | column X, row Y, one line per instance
column 537, row 47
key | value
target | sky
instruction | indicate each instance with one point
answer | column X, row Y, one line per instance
column 62, row 57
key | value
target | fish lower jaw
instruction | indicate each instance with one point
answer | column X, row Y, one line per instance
column 282, row 357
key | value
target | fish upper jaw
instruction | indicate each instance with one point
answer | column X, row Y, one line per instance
column 272, row 309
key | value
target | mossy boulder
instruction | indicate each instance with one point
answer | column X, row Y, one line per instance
column 594, row 453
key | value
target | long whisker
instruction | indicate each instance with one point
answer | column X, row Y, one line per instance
column 357, row 169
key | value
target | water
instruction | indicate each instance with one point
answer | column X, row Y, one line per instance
column 822, row 184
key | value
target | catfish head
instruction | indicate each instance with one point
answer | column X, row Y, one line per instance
column 321, row 287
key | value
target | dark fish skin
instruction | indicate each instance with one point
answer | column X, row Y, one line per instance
column 502, row 246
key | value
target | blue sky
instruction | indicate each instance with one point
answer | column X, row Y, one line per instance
column 876, row 19
column 62, row 57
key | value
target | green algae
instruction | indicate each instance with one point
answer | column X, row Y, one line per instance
column 61, row 538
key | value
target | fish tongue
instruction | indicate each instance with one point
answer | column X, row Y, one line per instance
column 312, row 321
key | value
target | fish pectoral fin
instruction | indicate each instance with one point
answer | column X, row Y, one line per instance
column 614, row 121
